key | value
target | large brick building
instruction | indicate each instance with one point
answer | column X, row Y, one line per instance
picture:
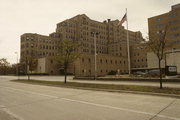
column 171, row 19
column 111, row 46
column 157, row 25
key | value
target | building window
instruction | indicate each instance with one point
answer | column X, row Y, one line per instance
column 27, row 45
column 51, row 61
column 174, row 28
column 174, row 22
column 176, row 35
column 159, row 25
column 82, row 59
column 89, row 60
column 159, row 19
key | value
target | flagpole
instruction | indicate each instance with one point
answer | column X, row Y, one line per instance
column 128, row 49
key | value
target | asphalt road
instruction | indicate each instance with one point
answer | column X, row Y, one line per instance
column 20, row 101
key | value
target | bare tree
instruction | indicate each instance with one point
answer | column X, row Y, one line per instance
column 32, row 65
column 67, row 54
column 157, row 44
column 3, row 66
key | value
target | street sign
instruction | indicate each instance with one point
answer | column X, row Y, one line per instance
column 171, row 70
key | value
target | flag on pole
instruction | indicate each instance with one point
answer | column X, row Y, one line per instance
column 123, row 20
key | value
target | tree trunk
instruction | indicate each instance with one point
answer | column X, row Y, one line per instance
column 28, row 77
column 65, row 74
column 160, row 74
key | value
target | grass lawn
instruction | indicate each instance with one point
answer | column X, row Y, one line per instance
column 103, row 86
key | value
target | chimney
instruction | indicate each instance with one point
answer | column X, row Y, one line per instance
column 109, row 20
column 175, row 6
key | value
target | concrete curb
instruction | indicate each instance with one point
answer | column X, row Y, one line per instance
column 129, row 79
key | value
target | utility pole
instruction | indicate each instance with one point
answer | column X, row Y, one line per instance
column 17, row 71
column 95, row 34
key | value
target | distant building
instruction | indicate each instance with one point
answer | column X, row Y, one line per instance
column 139, row 57
column 170, row 19
column 111, row 46
column 157, row 25
column 173, row 59
column 38, row 46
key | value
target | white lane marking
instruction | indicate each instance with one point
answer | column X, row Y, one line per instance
column 117, row 108
column 94, row 104
column 35, row 93
column 12, row 114
column 2, row 106
column 106, row 106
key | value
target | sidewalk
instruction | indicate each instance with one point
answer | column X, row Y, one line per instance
column 70, row 79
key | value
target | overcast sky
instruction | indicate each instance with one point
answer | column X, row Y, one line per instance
column 41, row 16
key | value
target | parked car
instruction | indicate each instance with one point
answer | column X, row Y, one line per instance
column 140, row 73
column 153, row 73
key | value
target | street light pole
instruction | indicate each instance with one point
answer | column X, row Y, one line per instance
column 173, row 50
column 95, row 66
column 95, row 53
column 17, row 72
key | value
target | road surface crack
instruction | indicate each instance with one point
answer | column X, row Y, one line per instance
column 157, row 114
